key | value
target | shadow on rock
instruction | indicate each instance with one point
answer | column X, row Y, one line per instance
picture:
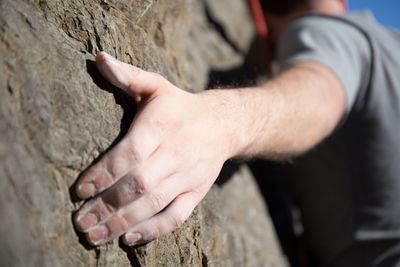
column 130, row 253
column 122, row 99
column 129, row 110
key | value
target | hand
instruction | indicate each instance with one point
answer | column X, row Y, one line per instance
column 150, row 182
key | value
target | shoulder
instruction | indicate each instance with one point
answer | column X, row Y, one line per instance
column 321, row 27
column 322, row 34
column 334, row 42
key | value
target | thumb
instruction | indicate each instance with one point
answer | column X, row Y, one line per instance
column 138, row 83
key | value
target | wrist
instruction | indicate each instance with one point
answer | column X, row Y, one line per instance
column 224, row 110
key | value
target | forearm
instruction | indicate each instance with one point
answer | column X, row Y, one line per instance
column 282, row 117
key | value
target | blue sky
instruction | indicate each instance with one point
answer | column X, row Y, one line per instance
column 386, row 11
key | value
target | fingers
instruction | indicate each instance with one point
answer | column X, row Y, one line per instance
column 136, row 147
column 133, row 184
column 106, row 171
column 136, row 82
column 145, row 206
column 165, row 222
column 107, row 203
column 109, row 169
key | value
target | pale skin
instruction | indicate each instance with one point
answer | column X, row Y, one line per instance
column 150, row 182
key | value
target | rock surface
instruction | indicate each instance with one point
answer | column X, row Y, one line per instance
column 57, row 115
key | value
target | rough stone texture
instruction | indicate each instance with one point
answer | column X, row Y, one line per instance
column 57, row 115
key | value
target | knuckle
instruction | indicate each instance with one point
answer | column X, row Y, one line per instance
column 157, row 200
column 177, row 220
column 116, row 225
column 149, row 234
column 124, row 224
column 108, row 208
column 158, row 78
column 154, row 234
column 141, row 182
column 160, row 81
column 134, row 153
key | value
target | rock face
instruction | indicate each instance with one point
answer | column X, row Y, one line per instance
column 57, row 115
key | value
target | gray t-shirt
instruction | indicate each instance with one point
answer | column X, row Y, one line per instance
column 349, row 185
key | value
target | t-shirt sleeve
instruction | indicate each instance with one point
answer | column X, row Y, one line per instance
column 336, row 44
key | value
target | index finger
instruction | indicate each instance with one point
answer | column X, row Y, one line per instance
column 110, row 168
column 125, row 156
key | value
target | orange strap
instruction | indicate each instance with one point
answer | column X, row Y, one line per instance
column 262, row 29
column 259, row 19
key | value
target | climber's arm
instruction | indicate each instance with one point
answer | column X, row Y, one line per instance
column 285, row 116
column 151, row 181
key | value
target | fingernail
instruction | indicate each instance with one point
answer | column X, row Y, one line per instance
column 132, row 238
column 109, row 61
column 86, row 190
column 85, row 221
column 108, row 57
column 98, row 234
column 103, row 54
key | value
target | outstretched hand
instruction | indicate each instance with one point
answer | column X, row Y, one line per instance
column 151, row 181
